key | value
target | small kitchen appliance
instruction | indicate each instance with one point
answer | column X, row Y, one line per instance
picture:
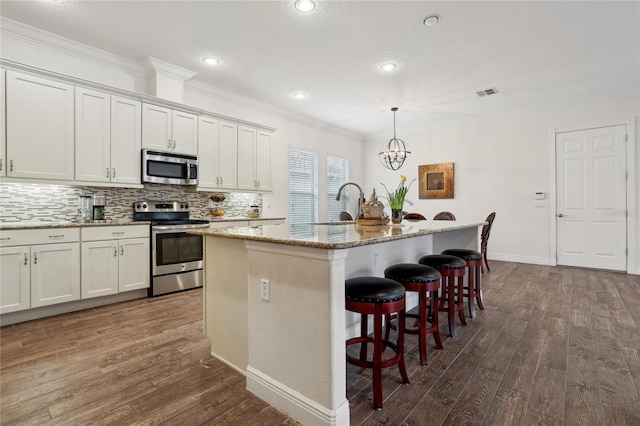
column 176, row 257
column 84, row 209
column 99, row 203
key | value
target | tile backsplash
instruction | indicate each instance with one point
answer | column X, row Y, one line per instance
column 54, row 203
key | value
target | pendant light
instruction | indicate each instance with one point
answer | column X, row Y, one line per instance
column 393, row 153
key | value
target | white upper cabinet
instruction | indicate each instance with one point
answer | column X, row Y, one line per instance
column 93, row 135
column 126, row 140
column 263, row 161
column 184, row 132
column 254, row 159
column 40, row 127
column 164, row 129
column 3, row 126
column 108, row 138
column 217, row 154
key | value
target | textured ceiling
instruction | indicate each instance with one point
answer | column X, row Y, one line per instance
column 537, row 54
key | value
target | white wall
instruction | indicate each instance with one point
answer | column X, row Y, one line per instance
column 42, row 50
column 499, row 164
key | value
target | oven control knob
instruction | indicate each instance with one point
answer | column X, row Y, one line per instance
column 186, row 206
column 144, row 206
column 137, row 206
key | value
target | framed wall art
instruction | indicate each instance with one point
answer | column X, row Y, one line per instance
column 435, row 181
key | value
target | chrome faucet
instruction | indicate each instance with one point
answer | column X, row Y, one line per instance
column 360, row 200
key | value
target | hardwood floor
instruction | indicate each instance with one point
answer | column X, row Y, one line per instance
column 555, row 345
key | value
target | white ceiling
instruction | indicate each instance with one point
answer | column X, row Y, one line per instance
column 537, row 54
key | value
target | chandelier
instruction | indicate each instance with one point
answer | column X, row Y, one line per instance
column 393, row 153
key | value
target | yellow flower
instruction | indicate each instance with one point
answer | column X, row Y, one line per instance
column 403, row 178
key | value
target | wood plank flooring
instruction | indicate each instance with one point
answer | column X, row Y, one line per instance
column 555, row 346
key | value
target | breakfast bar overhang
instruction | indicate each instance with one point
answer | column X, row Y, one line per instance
column 292, row 346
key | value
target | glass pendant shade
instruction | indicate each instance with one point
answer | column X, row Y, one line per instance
column 393, row 153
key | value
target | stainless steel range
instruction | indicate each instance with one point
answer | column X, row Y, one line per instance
column 176, row 257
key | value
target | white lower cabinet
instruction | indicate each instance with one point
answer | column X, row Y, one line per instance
column 38, row 267
column 15, row 279
column 114, row 259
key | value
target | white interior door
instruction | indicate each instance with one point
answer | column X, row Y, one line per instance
column 591, row 184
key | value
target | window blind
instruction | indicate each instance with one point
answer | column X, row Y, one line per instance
column 303, row 187
column 337, row 174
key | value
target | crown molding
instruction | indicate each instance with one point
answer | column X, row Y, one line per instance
column 40, row 38
column 156, row 66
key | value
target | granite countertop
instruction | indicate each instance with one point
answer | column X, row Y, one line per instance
column 337, row 235
column 237, row 218
column 70, row 224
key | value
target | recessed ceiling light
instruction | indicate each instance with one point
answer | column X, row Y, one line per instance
column 430, row 21
column 389, row 66
column 304, row 5
column 299, row 95
column 210, row 60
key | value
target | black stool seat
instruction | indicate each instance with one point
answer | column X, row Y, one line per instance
column 378, row 297
column 425, row 281
column 412, row 272
column 464, row 254
column 442, row 261
column 373, row 290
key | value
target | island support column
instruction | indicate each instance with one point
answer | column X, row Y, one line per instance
column 296, row 339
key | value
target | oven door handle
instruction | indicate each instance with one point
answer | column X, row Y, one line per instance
column 168, row 228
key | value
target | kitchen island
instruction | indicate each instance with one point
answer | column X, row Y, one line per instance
column 274, row 302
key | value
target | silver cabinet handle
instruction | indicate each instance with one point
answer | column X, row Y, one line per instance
column 115, row 251
column 174, row 144
column 169, row 143
column 5, row 238
column 107, row 172
column 1, row 163
column 117, row 233
column 57, row 236
column 560, row 215
column 217, row 180
column 35, row 258
column 113, row 174
column 258, row 183
column 221, row 181
column 10, row 165
column 26, row 259
column 121, row 250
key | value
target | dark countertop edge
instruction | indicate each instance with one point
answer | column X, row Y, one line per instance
column 211, row 232
column 51, row 225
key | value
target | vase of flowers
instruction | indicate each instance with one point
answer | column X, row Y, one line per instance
column 396, row 198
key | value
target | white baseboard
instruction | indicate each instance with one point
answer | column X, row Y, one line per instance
column 522, row 259
column 293, row 404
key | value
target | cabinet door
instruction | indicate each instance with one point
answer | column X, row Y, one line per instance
column 14, row 279
column 185, row 133
column 156, row 127
column 126, row 140
column 40, row 131
column 99, row 273
column 246, row 158
column 133, row 264
column 3, row 126
column 263, row 161
column 55, row 273
column 93, row 135
column 228, row 156
column 208, row 176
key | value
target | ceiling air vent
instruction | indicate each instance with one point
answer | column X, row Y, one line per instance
column 487, row 92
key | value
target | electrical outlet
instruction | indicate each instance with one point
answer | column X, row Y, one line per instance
column 264, row 289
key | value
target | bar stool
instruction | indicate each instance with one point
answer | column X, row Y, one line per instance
column 376, row 296
column 452, row 269
column 474, row 263
column 425, row 281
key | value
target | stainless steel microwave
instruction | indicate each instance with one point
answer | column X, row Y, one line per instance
column 169, row 168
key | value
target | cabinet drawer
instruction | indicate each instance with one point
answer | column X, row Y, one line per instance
column 115, row 232
column 27, row 237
